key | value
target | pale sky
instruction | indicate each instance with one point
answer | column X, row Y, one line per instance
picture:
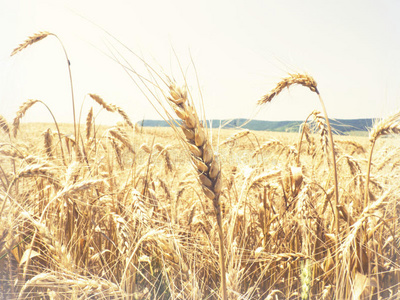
column 241, row 49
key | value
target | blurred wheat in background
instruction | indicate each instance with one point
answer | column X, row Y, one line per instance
column 190, row 212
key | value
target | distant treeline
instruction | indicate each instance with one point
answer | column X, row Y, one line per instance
column 340, row 126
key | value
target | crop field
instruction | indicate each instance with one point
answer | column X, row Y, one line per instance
column 89, row 211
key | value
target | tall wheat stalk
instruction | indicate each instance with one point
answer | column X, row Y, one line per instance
column 388, row 125
column 308, row 81
column 38, row 37
column 204, row 160
column 4, row 126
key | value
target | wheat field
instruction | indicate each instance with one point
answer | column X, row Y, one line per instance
column 123, row 212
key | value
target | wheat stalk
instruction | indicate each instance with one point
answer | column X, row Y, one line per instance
column 308, row 81
column 203, row 159
column 36, row 38
column 389, row 125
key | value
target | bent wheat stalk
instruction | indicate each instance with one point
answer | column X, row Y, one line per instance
column 389, row 125
column 308, row 81
column 203, row 159
column 38, row 37
column 21, row 112
column 4, row 126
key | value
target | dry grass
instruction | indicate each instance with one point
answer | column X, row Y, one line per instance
column 128, row 214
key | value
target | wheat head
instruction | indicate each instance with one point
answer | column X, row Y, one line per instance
column 203, row 157
column 31, row 40
column 302, row 79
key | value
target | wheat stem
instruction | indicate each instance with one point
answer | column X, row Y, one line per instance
column 308, row 81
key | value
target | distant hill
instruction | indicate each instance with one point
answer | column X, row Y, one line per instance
column 340, row 126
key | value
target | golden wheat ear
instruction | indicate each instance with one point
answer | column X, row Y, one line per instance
column 112, row 108
column 30, row 41
column 204, row 160
column 20, row 113
column 301, row 79
column 202, row 154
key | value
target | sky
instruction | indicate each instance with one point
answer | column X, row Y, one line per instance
column 239, row 49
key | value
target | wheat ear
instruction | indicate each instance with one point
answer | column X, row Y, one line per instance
column 304, row 131
column 89, row 123
column 30, row 41
column 203, row 159
column 20, row 113
column 112, row 108
column 122, row 137
column 302, row 79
